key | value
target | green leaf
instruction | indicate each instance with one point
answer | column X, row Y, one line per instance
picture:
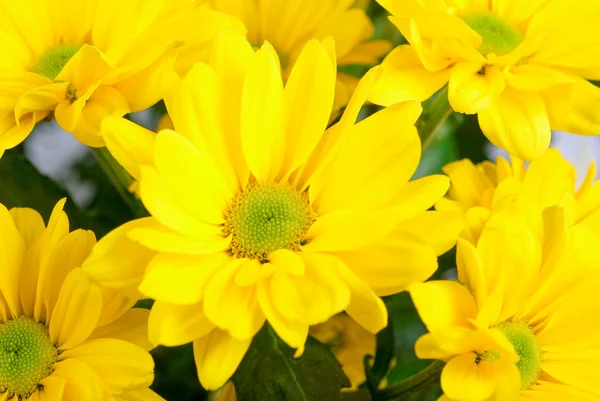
column 269, row 372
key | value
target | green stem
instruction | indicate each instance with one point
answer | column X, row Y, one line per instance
column 120, row 179
column 435, row 113
column 426, row 377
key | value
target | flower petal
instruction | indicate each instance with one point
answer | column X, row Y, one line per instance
column 262, row 123
column 82, row 383
column 121, row 365
column 217, row 356
column 188, row 274
column 517, row 122
column 174, row 325
column 77, row 311
column 470, row 91
column 131, row 327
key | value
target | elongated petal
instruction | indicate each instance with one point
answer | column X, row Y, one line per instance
column 470, row 92
column 308, row 99
column 12, row 249
column 262, row 116
column 217, row 357
column 404, row 78
column 131, row 327
column 129, row 143
column 174, row 325
column 121, row 364
column 81, row 382
column 77, row 311
column 189, row 275
column 518, row 122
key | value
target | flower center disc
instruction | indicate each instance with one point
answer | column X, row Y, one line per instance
column 265, row 218
column 26, row 356
column 51, row 63
column 498, row 36
column 527, row 347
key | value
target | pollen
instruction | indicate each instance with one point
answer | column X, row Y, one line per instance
column 52, row 62
column 498, row 36
column 26, row 356
column 527, row 347
column 265, row 218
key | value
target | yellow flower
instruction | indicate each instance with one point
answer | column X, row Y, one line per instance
column 259, row 214
column 521, row 66
column 80, row 61
column 520, row 325
column 550, row 180
column 289, row 25
column 61, row 336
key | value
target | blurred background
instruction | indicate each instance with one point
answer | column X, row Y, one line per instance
column 70, row 170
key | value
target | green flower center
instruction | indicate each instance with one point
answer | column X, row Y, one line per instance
column 265, row 218
column 26, row 356
column 527, row 347
column 499, row 37
column 51, row 63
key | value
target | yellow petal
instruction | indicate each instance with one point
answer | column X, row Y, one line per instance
column 572, row 108
column 443, row 303
column 162, row 239
column 181, row 279
column 87, row 67
column 307, row 103
column 53, row 388
column 517, row 122
column 463, row 378
column 230, row 307
column 81, row 382
column 388, row 160
column 470, row 91
column 199, row 114
column 470, row 270
column 174, row 325
column 217, row 356
column 104, row 102
column 69, row 254
column 144, row 394
column 118, row 262
column 131, row 327
column 77, row 311
column 291, row 332
column 549, row 178
column 187, row 173
column 29, row 223
column 129, row 143
column 516, row 11
column 12, row 249
column 314, row 298
column 163, row 205
column 390, row 265
column 438, row 229
column 365, row 307
column 550, row 391
column 574, row 368
column 468, row 182
column 121, row 364
column 262, row 122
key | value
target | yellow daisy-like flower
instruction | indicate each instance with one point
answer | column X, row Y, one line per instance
column 521, row 66
column 550, row 180
column 289, row 25
column 260, row 214
column 80, row 61
column 62, row 338
column 520, row 325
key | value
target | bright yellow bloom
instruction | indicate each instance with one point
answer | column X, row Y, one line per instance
column 521, row 324
column 61, row 336
column 289, row 25
column 260, row 214
column 80, row 61
column 550, row 180
column 521, row 66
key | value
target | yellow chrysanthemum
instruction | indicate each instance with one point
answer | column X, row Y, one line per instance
column 550, row 180
column 289, row 25
column 259, row 214
column 80, row 61
column 521, row 66
column 349, row 342
column 62, row 338
column 521, row 324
